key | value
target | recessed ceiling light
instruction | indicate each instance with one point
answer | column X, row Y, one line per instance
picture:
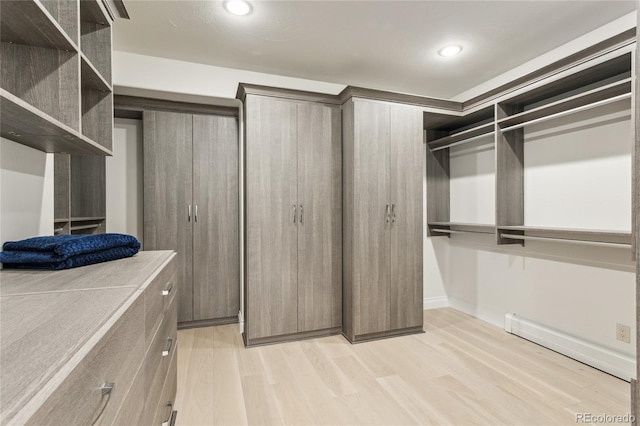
column 450, row 50
column 238, row 7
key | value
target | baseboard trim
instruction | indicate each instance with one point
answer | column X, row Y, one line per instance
column 207, row 323
column 361, row 338
column 261, row 341
column 435, row 302
column 612, row 362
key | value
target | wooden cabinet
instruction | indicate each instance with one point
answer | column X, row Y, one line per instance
column 191, row 206
column 293, row 215
column 115, row 362
column 383, row 168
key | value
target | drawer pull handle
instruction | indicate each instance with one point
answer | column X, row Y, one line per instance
column 167, row 351
column 106, row 389
column 171, row 419
column 167, row 290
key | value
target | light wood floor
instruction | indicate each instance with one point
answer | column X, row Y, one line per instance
column 462, row 371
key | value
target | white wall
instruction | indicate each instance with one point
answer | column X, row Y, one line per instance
column 26, row 192
column 577, row 175
column 124, row 179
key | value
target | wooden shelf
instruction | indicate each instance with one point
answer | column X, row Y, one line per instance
column 591, row 99
column 22, row 123
column 81, row 227
column 86, row 219
column 92, row 11
column 462, row 137
column 28, row 22
column 461, row 228
column 90, row 77
column 578, row 235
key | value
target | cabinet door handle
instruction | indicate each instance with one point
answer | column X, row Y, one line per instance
column 167, row 350
column 195, row 217
column 170, row 418
column 294, row 213
column 167, row 290
column 301, row 216
column 189, row 213
column 393, row 213
column 106, row 390
column 386, row 214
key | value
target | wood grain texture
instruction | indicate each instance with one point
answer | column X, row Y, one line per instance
column 136, row 103
column 380, row 95
column 462, row 371
column 95, row 41
column 115, row 359
column 509, row 180
column 88, row 191
column 31, row 321
column 635, row 229
column 319, row 217
column 438, row 193
column 371, row 228
column 271, row 191
column 97, row 116
column 348, row 217
column 45, row 24
column 157, row 365
column 155, row 302
column 45, row 78
column 167, row 398
column 61, row 186
column 216, row 276
column 407, row 166
column 25, row 124
column 168, row 190
column 245, row 89
column 130, row 412
column 94, row 11
column 90, row 77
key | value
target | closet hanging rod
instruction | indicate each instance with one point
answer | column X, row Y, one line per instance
column 450, row 231
column 462, row 141
column 566, row 241
column 569, row 111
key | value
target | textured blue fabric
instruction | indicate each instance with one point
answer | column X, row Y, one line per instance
column 67, row 251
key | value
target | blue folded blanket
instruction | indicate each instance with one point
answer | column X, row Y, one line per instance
column 67, row 251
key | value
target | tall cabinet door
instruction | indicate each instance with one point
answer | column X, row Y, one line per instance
column 167, row 195
column 271, row 218
column 216, row 275
column 319, row 217
column 406, row 224
column 371, row 228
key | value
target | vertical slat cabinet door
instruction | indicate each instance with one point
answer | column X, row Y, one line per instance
column 371, row 233
column 271, row 215
column 319, row 217
column 216, row 276
column 167, row 148
column 407, row 165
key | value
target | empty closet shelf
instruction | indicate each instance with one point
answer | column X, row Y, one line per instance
column 600, row 238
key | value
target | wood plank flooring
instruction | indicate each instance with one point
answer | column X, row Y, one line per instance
column 462, row 371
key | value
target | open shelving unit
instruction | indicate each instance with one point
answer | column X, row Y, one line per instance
column 443, row 132
column 606, row 82
column 56, row 96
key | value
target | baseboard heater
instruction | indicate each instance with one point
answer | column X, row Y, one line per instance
column 597, row 356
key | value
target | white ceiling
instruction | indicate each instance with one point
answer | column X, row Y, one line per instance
column 389, row 45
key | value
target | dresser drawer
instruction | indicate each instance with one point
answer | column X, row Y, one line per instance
column 158, row 297
column 115, row 359
column 168, row 396
column 131, row 410
column 158, row 359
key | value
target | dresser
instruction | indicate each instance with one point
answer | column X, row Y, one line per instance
column 90, row 345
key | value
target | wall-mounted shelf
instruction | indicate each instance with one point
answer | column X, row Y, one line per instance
column 464, row 136
column 446, row 228
column 28, row 22
column 601, row 96
column 90, row 77
column 600, row 238
column 25, row 124
column 93, row 11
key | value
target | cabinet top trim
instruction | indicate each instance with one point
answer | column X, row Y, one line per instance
column 136, row 103
column 245, row 89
